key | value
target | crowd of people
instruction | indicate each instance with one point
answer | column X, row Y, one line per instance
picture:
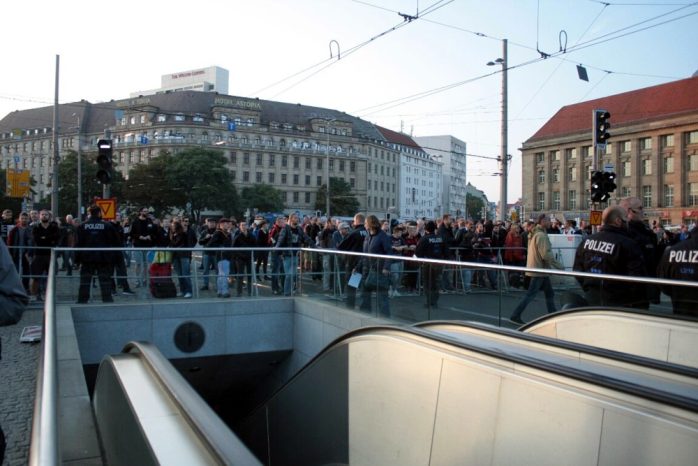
column 227, row 258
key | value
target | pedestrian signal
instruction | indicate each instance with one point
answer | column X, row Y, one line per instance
column 104, row 161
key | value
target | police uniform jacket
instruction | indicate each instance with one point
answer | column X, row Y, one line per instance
column 431, row 246
column 96, row 233
column 611, row 251
column 680, row 262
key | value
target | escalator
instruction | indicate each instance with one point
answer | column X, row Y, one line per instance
column 438, row 395
column 667, row 337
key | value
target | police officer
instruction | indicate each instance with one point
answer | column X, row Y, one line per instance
column 95, row 233
column 431, row 246
column 680, row 262
column 354, row 243
column 611, row 251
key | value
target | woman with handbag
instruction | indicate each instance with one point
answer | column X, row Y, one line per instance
column 376, row 271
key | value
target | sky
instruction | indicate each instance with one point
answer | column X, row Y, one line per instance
column 423, row 72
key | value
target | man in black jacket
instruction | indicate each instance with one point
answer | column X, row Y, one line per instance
column 431, row 246
column 144, row 234
column 611, row 251
column 445, row 231
column 680, row 262
column 291, row 236
column 96, row 233
column 353, row 243
column 647, row 240
column 46, row 234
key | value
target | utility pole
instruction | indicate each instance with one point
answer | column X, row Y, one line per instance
column 54, row 176
column 504, row 157
column 79, row 214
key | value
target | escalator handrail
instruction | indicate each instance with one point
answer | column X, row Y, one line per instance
column 596, row 351
column 212, row 431
column 614, row 309
column 633, row 389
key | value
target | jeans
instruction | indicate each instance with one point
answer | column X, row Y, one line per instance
column 182, row 266
column 290, row 269
column 222, row 281
column 243, row 269
column 209, row 263
column 396, row 274
column 537, row 284
column 141, row 266
column 277, row 268
column 327, row 270
column 466, row 276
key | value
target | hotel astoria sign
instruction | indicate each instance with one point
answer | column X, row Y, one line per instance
column 238, row 103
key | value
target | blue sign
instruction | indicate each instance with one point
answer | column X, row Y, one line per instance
column 144, row 139
column 16, row 159
column 231, row 126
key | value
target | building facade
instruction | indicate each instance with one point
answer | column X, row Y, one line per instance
column 653, row 149
column 210, row 79
column 280, row 144
column 451, row 152
column 420, row 185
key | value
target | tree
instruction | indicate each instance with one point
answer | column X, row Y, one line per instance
column 68, row 185
column 191, row 181
column 263, row 197
column 342, row 200
column 474, row 207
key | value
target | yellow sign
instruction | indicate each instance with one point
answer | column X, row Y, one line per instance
column 595, row 218
column 17, row 182
column 108, row 207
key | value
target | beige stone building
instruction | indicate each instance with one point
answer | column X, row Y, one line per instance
column 653, row 149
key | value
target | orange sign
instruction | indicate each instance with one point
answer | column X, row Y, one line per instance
column 17, row 182
column 108, row 207
column 595, row 218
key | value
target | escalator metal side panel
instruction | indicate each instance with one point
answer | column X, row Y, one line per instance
column 666, row 339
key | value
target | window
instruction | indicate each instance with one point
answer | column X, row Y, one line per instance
column 133, row 120
column 541, row 176
column 179, row 117
column 246, row 158
column 693, row 163
column 307, row 180
column 646, row 144
column 692, row 194
column 556, row 200
column 692, row 137
column 318, row 165
column 307, row 198
column 541, row 201
column 668, row 164
column 259, row 159
column 270, row 177
column 284, row 178
column 319, row 181
column 352, row 167
column 571, row 200
column 571, row 154
column 668, row 195
column 572, row 174
column 647, row 196
column 666, row 140
column 341, row 165
column 295, row 197
column 233, row 157
column 245, row 177
column 540, row 157
column 627, row 168
column 332, row 164
column 586, row 152
column 625, row 191
column 646, row 167
column 296, row 162
column 272, row 160
column 609, row 148
column 161, row 118
column 556, row 175
column 352, row 182
column 308, row 163
column 198, row 118
column 555, row 155
column 284, row 161
column 258, row 177
column 296, row 179
column 625, row 146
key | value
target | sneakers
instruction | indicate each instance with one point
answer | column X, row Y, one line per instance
column 516, row 320
column 128, row 293
column 187, row 295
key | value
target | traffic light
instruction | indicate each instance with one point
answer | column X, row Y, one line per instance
column 601, row 125
column 597, row 180
column 104, row 161
column 609, row 182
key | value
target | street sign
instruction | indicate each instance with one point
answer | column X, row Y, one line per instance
column 231, row 126
column 595, row 218
column 609, row 167
column 108, row 207
column 17, row 182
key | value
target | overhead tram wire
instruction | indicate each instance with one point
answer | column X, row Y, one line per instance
column 331, row 61
column 590, row 43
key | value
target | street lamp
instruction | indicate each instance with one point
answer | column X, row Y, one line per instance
column 504, row 157
column 79, row 215
column 327, row 167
